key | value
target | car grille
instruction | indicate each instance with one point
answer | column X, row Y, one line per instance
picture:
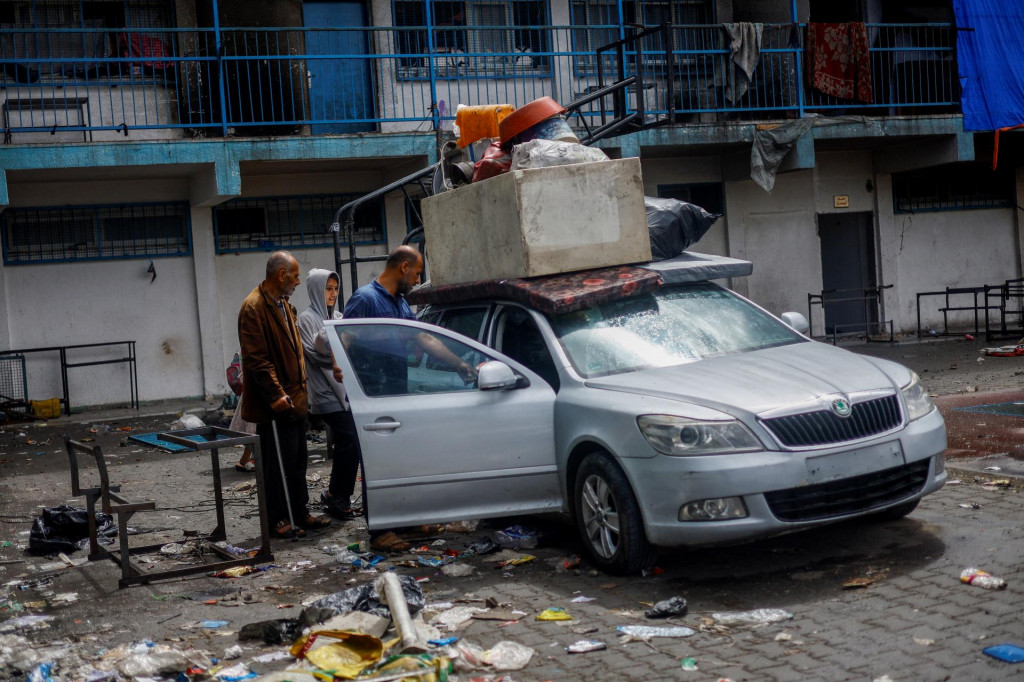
column 848, row 495
column 868, row 418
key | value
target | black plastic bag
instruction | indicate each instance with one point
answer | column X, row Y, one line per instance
column 281, row 631
column 675, row 225
column 669, row 608
column 66, row 529
column 365, row 598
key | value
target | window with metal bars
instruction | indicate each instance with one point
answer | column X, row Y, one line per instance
column 36, row 48
column 597, row 22
column 954, row 187
column 474, row 38
column 81, row 233
column 266, row 223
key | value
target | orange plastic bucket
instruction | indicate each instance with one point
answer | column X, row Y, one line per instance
column 528, row 116
column 476, row 123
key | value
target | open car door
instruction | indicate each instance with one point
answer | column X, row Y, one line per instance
column 436, row 446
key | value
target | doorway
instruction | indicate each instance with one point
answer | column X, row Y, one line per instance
column 847, row 270
column 341, row 94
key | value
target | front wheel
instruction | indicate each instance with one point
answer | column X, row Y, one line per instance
column 608, row 517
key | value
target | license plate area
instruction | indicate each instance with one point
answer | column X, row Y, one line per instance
column 854, row 462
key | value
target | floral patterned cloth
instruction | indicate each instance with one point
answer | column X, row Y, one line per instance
column 839, row 62
column 551, row 294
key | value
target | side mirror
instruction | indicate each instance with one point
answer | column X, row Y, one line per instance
column 796, row 321
column 496, row 376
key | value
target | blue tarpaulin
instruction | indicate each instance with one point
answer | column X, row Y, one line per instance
column 990, row 52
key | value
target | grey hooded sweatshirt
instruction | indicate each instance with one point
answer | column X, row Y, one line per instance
column 325, row 394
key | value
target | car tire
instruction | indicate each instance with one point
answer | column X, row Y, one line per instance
column 608, row 517
column 895, row 513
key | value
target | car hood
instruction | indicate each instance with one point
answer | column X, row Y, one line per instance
column 765, row 380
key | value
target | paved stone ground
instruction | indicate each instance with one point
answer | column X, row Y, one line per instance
column 915, row 622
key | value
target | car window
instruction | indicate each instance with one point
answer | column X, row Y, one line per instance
column 670, row 326
column 391, row 360
column 465, row 321
column 519, row 338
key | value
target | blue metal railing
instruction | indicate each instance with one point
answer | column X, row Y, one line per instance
column 167, row 83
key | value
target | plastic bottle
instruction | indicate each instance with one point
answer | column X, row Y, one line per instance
column 980, row 578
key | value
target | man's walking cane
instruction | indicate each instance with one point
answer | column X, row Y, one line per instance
column 284, row 480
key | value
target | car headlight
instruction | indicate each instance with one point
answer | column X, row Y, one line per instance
column 919, row 403
column 680, row 436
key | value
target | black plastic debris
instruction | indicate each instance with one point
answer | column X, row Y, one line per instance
column 364, row 598
column 669, row 608
column 66, row 529
column 280, row 631
column 675, row 225
column 484, row 546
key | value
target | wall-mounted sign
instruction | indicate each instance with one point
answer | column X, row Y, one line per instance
column 841, row 201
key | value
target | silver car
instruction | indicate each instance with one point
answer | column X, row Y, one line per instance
column 686, row 416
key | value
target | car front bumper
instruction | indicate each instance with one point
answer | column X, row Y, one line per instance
column 664, row 484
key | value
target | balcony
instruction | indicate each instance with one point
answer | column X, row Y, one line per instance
column 106, row 85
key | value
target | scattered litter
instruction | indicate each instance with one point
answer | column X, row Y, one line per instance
column 858, row 583
column 1010, row 653
column 999, row 483
column 571, row 562
column 271, row 657
column 280, row 631
column 484, row 546
column 583, row 629
column 455, row 618
column 979, row 578
column 517, row 537
column 585, row 646
column 755, row 617
column 993, row 468
column 503, row 656
column 783, row 637
column 955, row 481
column 582, row 600
column 499, row 614
column 213, row 624
column 689, row 664
column 668, row 608
column 442, row 642
column 923, row 642
column 235, row 673
column 186, row 421
column 970, row 505
column 647, row 631
column 457, row 570
column 233, row 652
column 462, row 526
column 553, row 613
column 238, row 571
column 26, row 623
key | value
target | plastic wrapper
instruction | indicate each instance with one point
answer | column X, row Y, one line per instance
column 668, row 608
column 457, row 570
column 517, row 537
column 648, row 631
column 495, row 162
column 554, row 613
column 484, row 546
column 365, row 598
column 755, row 617
column 585, row 646
column 66, row 529
column 980, row 578
column 503, row 656
column 541, row 153
column 187, row 421
column 150, row 661
column 280, row 631
column 675, row 225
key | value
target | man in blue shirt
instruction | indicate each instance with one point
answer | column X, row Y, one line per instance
column 382, row 364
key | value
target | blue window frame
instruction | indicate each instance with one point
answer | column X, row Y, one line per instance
column 268, row 223
column 65, row 234
column 954, row 187
column 474, row 38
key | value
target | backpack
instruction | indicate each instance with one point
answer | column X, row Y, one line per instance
column 234, row 374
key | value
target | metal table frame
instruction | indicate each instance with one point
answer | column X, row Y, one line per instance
column 133, row 573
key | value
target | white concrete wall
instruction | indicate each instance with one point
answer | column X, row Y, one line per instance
column 685, row 170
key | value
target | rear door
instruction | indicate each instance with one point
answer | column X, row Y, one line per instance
column 434, row 447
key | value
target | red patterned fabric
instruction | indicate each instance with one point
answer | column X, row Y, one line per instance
column 838, row 60
column 149, row 47
column 552, row 294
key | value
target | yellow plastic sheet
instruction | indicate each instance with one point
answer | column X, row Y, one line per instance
column 553, row 614
column 478, row 122
column 346, row 658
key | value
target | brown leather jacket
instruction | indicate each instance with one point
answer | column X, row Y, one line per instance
column 272, row 359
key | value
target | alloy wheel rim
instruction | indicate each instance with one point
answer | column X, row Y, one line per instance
column 600, row 516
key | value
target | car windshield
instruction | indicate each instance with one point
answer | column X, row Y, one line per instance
column 671, row 326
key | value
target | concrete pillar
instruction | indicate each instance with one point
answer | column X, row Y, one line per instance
column 204, row 254
column 5, row 323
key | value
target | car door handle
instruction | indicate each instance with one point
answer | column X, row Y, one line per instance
column 382, row 426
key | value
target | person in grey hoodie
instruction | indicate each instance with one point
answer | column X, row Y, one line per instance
column 327, row 397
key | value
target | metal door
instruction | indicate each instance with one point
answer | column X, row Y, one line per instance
column 341, row 94
column 434, row 447
column 847, row 269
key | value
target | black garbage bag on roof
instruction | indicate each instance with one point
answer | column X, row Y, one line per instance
column 363, row 598
column 66, row 529
column 675, row 225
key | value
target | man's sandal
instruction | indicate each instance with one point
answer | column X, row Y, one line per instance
column 315, row 522
column 389, row 542
column 283, row 529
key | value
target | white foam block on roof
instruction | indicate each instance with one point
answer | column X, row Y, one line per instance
column 698, row 267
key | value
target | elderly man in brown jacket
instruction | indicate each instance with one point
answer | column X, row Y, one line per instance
column 274, row 390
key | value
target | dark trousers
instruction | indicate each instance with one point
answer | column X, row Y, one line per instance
column 292, row 435
column 346, row 454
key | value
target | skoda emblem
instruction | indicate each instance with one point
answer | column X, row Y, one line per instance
column 842, row 407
